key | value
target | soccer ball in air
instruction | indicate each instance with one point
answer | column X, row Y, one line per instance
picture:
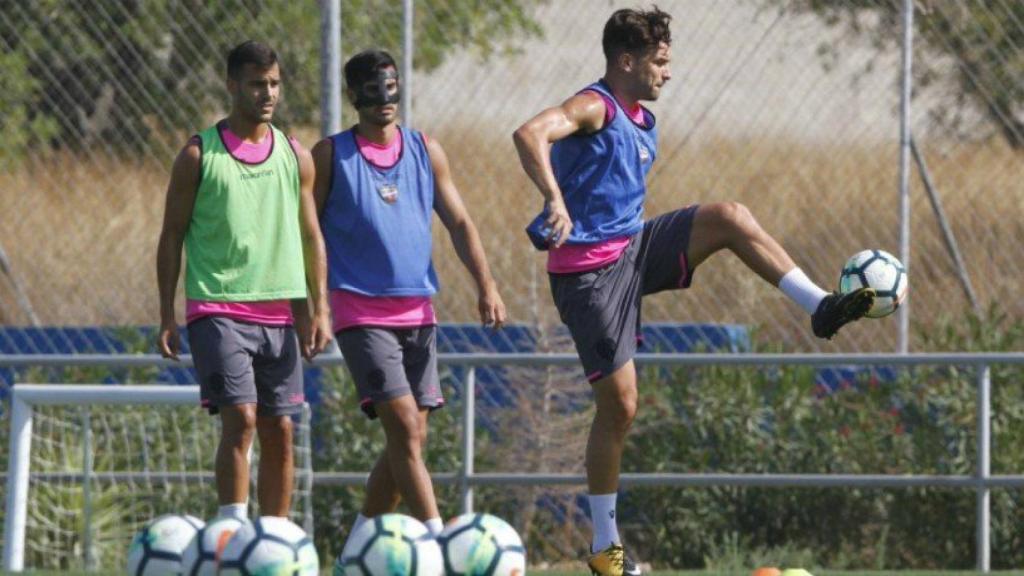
column 156, row 549
column 879, row 270
column 482, row 545
column 203, row 552
column 390, row 545
column 269, row 546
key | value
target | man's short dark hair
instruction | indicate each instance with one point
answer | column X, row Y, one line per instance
column 250, row 52
column 363, row 67
column 635, row 31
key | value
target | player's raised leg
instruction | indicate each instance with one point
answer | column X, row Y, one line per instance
column 731, row 226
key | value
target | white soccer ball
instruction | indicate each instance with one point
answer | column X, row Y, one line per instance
column 879, row 270
column 156, row 549
column 482, row 545
column 390, row 545
column 203, row 552
column 269, row 546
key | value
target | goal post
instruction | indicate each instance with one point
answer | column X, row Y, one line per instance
column 87, row 457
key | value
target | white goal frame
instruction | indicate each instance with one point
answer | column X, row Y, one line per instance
column 24, row 397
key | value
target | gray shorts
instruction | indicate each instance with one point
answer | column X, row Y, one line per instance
column 602, row 307
column 242, row 363
column 387, row 363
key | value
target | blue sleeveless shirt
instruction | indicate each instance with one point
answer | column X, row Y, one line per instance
column 602, row 177
column 376, row 221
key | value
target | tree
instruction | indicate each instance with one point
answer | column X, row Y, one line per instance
column 975, row 48
column 132, row 74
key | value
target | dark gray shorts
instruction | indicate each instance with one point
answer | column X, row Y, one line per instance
column 387, row 363
column 242, row 363
column 602, row 307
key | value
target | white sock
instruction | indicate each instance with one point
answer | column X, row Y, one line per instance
column 602, row 515
column 801, row 290
column 435, row 525
column 238, row 510
column 360, row 520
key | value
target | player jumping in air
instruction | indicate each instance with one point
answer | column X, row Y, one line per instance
column 377, row 187
column 240, row 200
column 589, row 157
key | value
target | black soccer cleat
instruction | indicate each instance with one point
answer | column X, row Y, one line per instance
column 838, row 310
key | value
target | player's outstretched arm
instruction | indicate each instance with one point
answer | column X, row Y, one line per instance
column 583, row 112
column 450, row 208
column 181, row 195
column 314, row 336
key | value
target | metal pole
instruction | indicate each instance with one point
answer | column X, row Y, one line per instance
column 330, row 67
column 947, row 231
column 19, row 451
column 87, row 469
column 908, row 46
column 983, row 500
column 307, row 469
column 407, row 54
column 468, row 435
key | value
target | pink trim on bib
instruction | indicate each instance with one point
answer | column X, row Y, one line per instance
column 266, row 312
column 570, row 258
column 351, row 309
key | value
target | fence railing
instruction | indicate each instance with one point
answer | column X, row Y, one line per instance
column 982, row 481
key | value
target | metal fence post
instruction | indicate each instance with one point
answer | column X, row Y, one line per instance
column 905, row 93
column 330, row 67
column 87, row 469
column 468, row 435
column 407, row 54
column 17, row 483
column 983, row 500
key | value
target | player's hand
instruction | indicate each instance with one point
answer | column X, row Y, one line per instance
column 168, row 340
column 321, row 333
column 492, row 308
column 558, row 225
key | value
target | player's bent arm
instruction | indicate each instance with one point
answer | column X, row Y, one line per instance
column 181, row 196
column 323, row 160
column 453, row 214
column 583, row 112
column 314, row 252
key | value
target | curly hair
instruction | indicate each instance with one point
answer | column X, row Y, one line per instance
column 635, row 31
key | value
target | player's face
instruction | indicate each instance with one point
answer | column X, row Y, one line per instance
column 382, row 114
column 652, row 71
column 256, row 91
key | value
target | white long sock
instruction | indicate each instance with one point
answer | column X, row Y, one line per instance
column 435, row 525
column 602, row 515
column 239, row 510
column 801, row 290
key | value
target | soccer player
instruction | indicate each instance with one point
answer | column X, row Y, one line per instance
column 589, row 158
column 377, row 187
column 240, row 199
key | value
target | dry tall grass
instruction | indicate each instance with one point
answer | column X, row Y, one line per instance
column 81, row 232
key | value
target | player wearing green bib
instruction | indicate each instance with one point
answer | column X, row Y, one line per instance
column 240, row 203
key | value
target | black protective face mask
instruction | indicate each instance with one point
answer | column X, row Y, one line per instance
column 380, row 96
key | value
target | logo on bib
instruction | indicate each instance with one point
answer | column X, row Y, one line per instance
column 388, row 192
column 645, row 154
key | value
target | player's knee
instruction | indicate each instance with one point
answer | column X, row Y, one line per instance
column 238, row 425
column 621, row 411
column 275, row 427
column 405, row 431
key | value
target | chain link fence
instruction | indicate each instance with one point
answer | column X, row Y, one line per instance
column 792, row 112
column 788, row 106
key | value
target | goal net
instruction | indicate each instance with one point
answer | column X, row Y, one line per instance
column 90, row 465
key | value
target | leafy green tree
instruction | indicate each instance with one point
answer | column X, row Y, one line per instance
column 128, row 75
column 974, row 47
